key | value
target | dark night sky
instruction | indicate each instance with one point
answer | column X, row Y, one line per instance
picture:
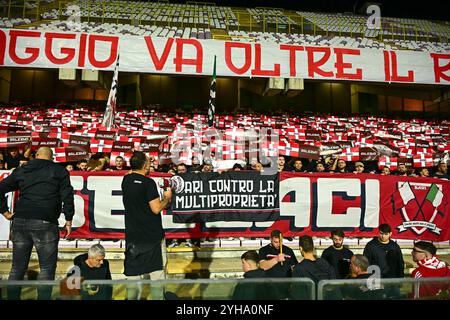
column 425, row 9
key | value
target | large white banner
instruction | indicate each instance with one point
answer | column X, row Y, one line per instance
column 5, row 224
column 311, row 204
column 41, row 49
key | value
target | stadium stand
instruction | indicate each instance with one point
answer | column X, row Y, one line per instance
column 219, row 258
column 395, row 27
column 143, row 18
column 204, row 21
column 127, row 29
column 148, row 12
column 266, row 15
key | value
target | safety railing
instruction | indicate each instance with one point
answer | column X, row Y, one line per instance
column 384, row 289
column 199, row 289
column 229, row 289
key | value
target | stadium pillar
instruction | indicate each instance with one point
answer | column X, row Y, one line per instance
column 130, row 83
column 5, row 84
column 354, row 98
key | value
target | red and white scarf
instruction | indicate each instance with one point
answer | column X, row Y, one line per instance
column 432, row 263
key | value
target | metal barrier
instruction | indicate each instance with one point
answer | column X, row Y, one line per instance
column 230, row 289
column 381, row 289
column 199, row 289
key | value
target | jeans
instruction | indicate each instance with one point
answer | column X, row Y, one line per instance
column 44, row 236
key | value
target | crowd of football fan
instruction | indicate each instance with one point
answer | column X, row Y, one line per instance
column 14, row 157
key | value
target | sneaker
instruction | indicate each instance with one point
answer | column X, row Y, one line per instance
column 186, row 245
column 174, row 244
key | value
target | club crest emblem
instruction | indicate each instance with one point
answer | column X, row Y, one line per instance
column 419, row 205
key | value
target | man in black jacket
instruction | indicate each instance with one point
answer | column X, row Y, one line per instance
column 44, row 188
column 275, row 263
column 250, row 266
column 337, row 255
column 371, row 289
column 310, row 267
column 387, row 255
column 94, row 266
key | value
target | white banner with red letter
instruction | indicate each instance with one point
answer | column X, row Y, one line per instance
column 47, row 49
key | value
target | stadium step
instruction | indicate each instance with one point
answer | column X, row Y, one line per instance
column 244, row 18
column 219, row 34
column 33, row 24
column 183, row 262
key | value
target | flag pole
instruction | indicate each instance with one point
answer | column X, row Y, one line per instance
column 212, row 97
column 110, row 111
column 281, row 246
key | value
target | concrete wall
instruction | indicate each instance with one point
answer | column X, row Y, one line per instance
column 188, row 92
column 5, row 84
column 192, row 93
column 43, row 85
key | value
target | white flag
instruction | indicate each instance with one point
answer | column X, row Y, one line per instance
column 110, row 112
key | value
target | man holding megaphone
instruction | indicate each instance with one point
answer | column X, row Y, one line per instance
column 144, row 235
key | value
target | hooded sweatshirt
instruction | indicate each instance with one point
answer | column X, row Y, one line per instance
column 316, row 270
column 44, row 187
column 430, row 268
column 251, row 291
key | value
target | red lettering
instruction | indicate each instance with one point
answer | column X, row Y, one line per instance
column 158, row 62
column 387, row 63
column 247, row 56
column 2, row 47
column 314, row 66
column 82, row 53
column 179, row 61
column 394, row 76
column 341, row 65
column 69, row 52
column 439, row 70
column 292, row 57
column 112, row 52
column 33, row 52
column 258, row 71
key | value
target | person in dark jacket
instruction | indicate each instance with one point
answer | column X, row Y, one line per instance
column 371, row 289
column 13, row 159
column 45, row 192
column 251, row 291
column 310, row 267
column 94, row 266
column 337, row 255
column 277, row 263
column 385, row 253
